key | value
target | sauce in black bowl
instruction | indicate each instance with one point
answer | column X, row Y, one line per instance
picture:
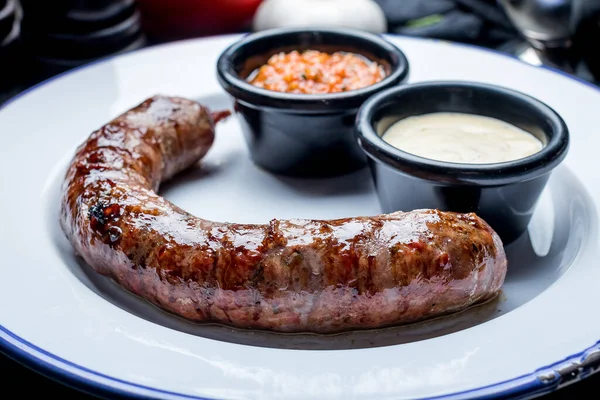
column 304, row 134
column 502, row 193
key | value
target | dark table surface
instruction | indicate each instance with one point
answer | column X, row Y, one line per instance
column 20, row 379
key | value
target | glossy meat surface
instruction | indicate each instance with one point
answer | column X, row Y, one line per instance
column 288, row 276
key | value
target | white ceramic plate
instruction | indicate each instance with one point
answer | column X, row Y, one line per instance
column 61, row 318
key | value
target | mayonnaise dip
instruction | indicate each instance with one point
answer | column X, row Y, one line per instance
column 461, row 138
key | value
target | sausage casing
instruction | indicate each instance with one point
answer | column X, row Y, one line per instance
column 321, row 276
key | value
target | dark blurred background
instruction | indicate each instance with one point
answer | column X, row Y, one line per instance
column 42, row 38
column 39, row 38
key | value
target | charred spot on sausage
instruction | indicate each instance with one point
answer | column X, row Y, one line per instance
column 100, row 216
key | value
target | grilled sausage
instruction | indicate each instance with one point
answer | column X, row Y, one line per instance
column 288, row 276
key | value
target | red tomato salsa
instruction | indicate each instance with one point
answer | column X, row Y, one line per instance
column 315, row 72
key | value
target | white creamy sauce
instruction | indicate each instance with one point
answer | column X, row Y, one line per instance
column 462, row 138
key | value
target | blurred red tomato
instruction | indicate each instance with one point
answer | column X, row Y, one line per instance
column 176, row 19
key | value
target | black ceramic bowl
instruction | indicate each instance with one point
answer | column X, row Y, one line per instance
column 82, row 44
column 504, row 194
column 308, row 135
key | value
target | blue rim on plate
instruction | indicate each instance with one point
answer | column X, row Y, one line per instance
column 541, row 381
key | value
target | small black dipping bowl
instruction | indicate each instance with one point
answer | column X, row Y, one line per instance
column 503, row 194
column 304, row 135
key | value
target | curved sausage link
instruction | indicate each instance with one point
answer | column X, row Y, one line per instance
column 288, row 276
